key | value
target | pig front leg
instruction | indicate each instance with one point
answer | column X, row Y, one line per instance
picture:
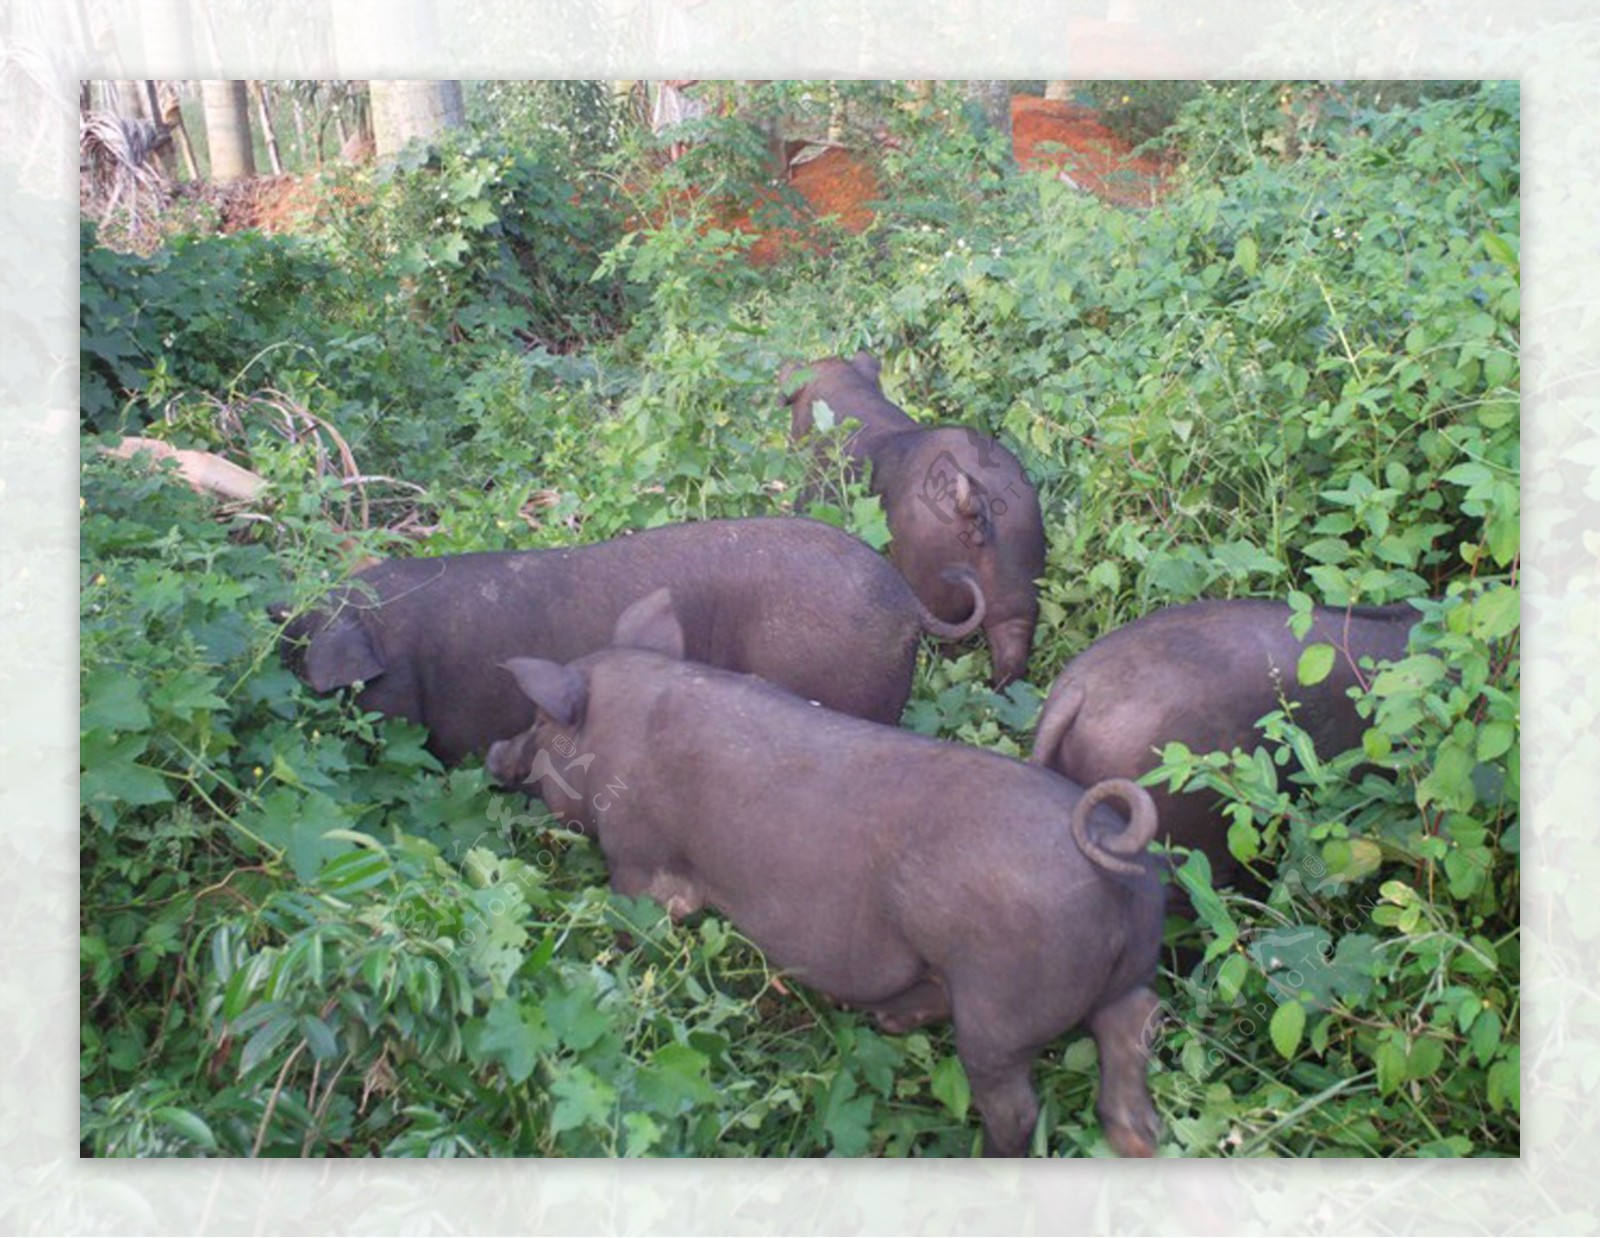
column 678, row 894
column 926, row 1002
column 1122, row 1032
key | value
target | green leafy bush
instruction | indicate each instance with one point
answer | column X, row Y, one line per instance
column 1140, row 111
column 1296, row 377
column 197, row 313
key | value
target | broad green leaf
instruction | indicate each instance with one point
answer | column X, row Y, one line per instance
column 188, row 1124
column 1231, row 976
column 1194, row 875
column 1244, row 841
column 1316, row 661
column 113, row 701
column 1244, row 253
column 319, row 1038
column 1288, row 1023
column 949, row 1086
column 1425, row 1057
column 575, row 1016
column 1505, row 1082
column 583, row 1098
column 111, row 775
column 512, row 1036
column 643, row 1133
column 1106, row 575
column 1390, row 1059
column 1485, row 1037
column 1501, row 251
column 846, row 1117
column 272, row 1033
column 1496, row 613
column 675, row 1080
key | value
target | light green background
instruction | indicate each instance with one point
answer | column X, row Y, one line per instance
column 1552, row 46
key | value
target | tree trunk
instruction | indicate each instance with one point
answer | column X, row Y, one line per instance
column 403, row 111
column 172, row 116
column 131, row 101
column 165, row 157
column 227, row 110
column 1059, row 92
column 993, row 100
column 265, row 115
column 300, row 131
column 921, row 94
column 838, row 114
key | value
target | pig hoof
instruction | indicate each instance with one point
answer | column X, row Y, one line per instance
column 1133, row 1134
column 1128, row 1142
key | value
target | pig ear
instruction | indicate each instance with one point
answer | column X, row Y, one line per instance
column 792, row 378
column 340, row 655
column 865, row 364
column 558, row 690
column 973, row 507
column 650, row 623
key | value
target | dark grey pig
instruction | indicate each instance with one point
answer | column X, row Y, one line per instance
column 950, row 495
column 915, row 879
column 798, row 602
column 1204, row 674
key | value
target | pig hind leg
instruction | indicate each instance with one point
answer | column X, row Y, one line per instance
column 1122, row 1032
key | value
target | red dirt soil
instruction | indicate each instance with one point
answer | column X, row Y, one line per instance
column 270, row 203
column 837, row 182
column 1046, row 133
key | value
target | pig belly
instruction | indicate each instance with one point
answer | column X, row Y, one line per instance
column 853, row 958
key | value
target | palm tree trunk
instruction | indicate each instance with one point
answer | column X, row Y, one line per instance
column 227, row 109
column 403, row 111
column 994, row 101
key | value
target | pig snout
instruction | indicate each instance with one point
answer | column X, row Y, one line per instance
column 502, row 765
column 524, row 764
column 1010, row 642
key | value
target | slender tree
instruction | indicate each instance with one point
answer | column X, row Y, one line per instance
column 993, row 99
column 264, row 114
column 172, row 118
column 227, row 110
column 162, row 148
column 1058, row 91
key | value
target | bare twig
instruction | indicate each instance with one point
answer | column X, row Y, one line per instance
column 272, row 1101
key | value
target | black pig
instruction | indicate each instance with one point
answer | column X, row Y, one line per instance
column 915, row 879
column 798, row 602
column 1204, row 674
column 950, row 496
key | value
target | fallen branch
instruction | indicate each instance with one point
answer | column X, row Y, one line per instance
column 204, row 471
